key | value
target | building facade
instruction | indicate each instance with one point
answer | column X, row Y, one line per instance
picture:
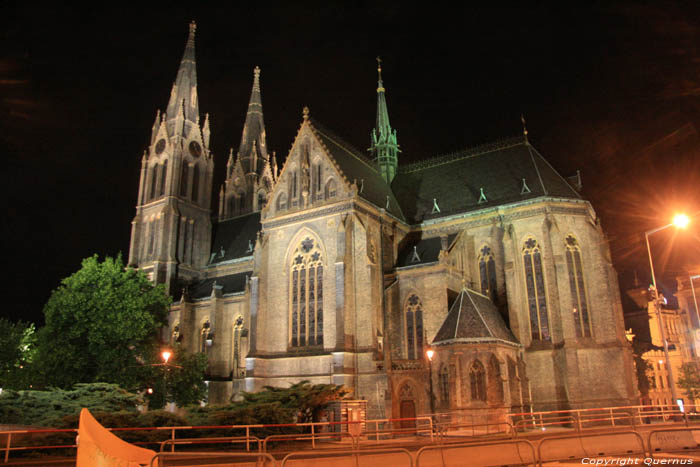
column 344, row 267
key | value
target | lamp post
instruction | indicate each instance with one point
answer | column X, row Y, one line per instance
column 430, row 353
column 680, row 221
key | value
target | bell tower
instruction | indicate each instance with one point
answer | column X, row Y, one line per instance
column 171, row 233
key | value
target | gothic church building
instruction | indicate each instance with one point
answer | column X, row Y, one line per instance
column 344, row 267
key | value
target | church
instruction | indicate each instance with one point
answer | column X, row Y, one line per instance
column 345, row 267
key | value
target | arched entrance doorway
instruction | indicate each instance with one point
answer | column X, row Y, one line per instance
column 407, row 406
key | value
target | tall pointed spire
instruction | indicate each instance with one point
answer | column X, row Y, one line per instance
column 253, row 149
column 385, row 147
column 185, row 86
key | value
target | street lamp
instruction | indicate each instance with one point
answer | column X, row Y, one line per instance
column 430, row 353
column 166, row 356
column 680, row 221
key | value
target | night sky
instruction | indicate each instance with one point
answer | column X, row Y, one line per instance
column 613, row 91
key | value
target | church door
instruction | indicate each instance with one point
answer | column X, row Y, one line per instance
column 408, row 410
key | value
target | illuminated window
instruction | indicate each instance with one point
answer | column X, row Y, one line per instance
column 487, row 272
column 306, row 291
column 477, row 379
column 414, row 328
column 578, row 289
column 536, row 295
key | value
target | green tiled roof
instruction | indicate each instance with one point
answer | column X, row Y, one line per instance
column 233, row 238
column 456, row 181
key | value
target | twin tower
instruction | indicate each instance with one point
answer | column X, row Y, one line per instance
column 171, row 233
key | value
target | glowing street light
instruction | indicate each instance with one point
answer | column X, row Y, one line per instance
column 166, row 355
column 680, row 221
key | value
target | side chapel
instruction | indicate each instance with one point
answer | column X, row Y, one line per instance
column 344, row 267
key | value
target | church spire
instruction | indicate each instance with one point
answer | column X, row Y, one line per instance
column 253, row 149
column 385, row 147
column 185, row 86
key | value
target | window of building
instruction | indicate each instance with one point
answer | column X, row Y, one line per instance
column 495, row 388
column 306, row 291
column 414, row 327
column 163, row 175
column 331, row 189
column 154, row 181
column 241, row 202
column 578, row 288
column 183, row 179
column 444, row 384
column 282, row 202
column 261, row 200
column 195, row 184
column 487, row 272
column 536, row 295
column 477, row 378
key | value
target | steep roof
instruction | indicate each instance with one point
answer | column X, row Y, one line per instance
column 416, row 251
column 230, row 284
column 185, row 86
column 509, row 171
column 473, row 318
column 234, row 238
column 253, row 148
column 357, row 167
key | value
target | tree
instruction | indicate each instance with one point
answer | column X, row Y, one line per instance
column 102, row 325
column 17, row 347
column 181, row 381
column 307, row 399
column 689, row 381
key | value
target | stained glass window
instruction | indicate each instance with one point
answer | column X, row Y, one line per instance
column 414, row 327
column 306, row 289
column 487, row 272
column 577, row 286
column 536, row 294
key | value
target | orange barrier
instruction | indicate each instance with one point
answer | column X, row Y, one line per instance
column 98, row 447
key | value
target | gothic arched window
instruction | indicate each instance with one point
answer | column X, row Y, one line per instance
column 477, row 380
column 282, row 202
column 163, row 175
column 578, row 287
column 536, row 294
column 331, row 189
column 183, row 178
column 444, row 384
column 414, row 327
column 261, row 200
column 495, row 381
column 195, row 184
column 241, row 202
column 487, row 272
column 306, row 295
column 238, row 368
column 154, row 181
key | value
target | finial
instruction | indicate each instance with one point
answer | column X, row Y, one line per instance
column 306, row 113
column 522, row 119
column 380, row 87
column 193, row 28
column 256, row 78
column 256, row 72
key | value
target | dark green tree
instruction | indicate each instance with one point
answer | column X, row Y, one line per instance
column 307, row 399
column 102, row 325
column 17, row 348
column 689, row 381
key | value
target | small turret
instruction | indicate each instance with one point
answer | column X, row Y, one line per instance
column 385, row 147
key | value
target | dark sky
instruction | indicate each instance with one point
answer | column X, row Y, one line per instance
column 610, row 90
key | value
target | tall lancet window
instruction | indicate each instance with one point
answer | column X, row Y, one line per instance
column 536, row 293
column 487, row 272
column 414, row 327
column 154, row 181
column 306, row 295
column 183, row 178
column 477, row 380
column 163, row 175
column 195, row 184
column 578, row 287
